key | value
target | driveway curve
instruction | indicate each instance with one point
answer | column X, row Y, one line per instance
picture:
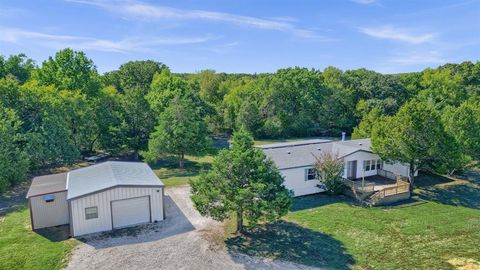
column 178, row 242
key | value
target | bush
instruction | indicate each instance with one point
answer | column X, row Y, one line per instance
column 330, row 169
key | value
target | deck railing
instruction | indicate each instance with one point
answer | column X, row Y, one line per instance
column 387, row 174
column 390, row 175
column 357, row 185
column 400, row 187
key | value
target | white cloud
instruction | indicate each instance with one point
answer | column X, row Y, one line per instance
column 14, row 35
column 364, row 2
column 419, row 58
column 398, row 34
column 145, row 11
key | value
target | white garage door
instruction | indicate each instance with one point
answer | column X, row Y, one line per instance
column 130, row 212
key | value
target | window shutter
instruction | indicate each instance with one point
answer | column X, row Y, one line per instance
column 306, row 175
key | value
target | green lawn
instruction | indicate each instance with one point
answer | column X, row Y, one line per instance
column 438, row 229
column 21, row 248
column 171, row 175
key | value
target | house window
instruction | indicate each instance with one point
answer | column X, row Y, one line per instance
column 366, row 165
column 372, row 166
column 379, row 164
column 311, row 174
column 49, row 198
column 91, row 212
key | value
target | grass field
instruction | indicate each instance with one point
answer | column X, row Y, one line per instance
column 21, row 248
column 438, row 229
column 171, row 175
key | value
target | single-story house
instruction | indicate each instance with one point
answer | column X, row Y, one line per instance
column 295, row 161
column 97, row 198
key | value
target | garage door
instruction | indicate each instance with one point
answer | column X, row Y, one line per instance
column 130, row 212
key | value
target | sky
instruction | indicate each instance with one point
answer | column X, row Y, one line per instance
column 247, row 36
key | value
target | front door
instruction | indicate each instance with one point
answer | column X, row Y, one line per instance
column 352, row 169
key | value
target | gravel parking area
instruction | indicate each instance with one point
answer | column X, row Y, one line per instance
column 178, row 242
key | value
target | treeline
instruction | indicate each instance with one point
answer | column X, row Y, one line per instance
column 62, row 110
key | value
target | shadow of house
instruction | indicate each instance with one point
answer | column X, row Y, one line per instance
column 317, row 200
column 175, row 223
column 55, row 234
column 290, row 242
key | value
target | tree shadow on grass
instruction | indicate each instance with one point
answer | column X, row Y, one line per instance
column 14, row 199
column 465, row 193
column 290, row 242
column 168, row 168
column 429, row 180
column 317, row 200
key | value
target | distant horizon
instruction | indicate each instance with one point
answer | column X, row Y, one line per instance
column 249, row 37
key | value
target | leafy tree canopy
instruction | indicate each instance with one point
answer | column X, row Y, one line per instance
column 181, row 131
column 69, row 70
column 416, row 136
column 242, row 181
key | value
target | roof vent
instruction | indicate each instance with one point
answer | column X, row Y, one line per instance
column 319, row 149
column 359, row 143
column 289, row 152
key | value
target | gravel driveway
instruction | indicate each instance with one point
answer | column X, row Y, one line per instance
column 178, row 242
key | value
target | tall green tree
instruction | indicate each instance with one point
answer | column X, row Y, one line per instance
column 181, row 131
column 243, row 182
column 165, row 87
column 18, row 66
column 210, row 85
column 14, row 161
column 138, row 74
column 110, row 121
column 293, row 100
column 416, row 136
column 463, row 123
column 139, row 121
column 70, row 70
column 443, row 87
column 364, row 129
column 49, row 137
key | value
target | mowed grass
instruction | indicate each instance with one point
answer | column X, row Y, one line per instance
column 21, row 248
column 438, row 229
column 171, row 174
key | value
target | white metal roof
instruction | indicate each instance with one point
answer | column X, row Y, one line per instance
column 294, row 143
column 109, row 174
column 303, row 154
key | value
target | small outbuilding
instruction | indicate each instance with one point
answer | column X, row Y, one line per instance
column 97, row 198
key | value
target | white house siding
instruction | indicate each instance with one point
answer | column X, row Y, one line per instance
column 295, row 181
column 397, row 168
column 103, row 200
column 360, row 157
column 49, row 214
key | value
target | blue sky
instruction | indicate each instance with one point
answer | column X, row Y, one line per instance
column 248, row 35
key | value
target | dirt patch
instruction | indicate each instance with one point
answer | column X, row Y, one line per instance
column 464, row 264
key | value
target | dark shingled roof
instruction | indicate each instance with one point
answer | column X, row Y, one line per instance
column 48, row 184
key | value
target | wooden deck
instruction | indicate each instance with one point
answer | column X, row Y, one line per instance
column 378, row 182
column 379, row 189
